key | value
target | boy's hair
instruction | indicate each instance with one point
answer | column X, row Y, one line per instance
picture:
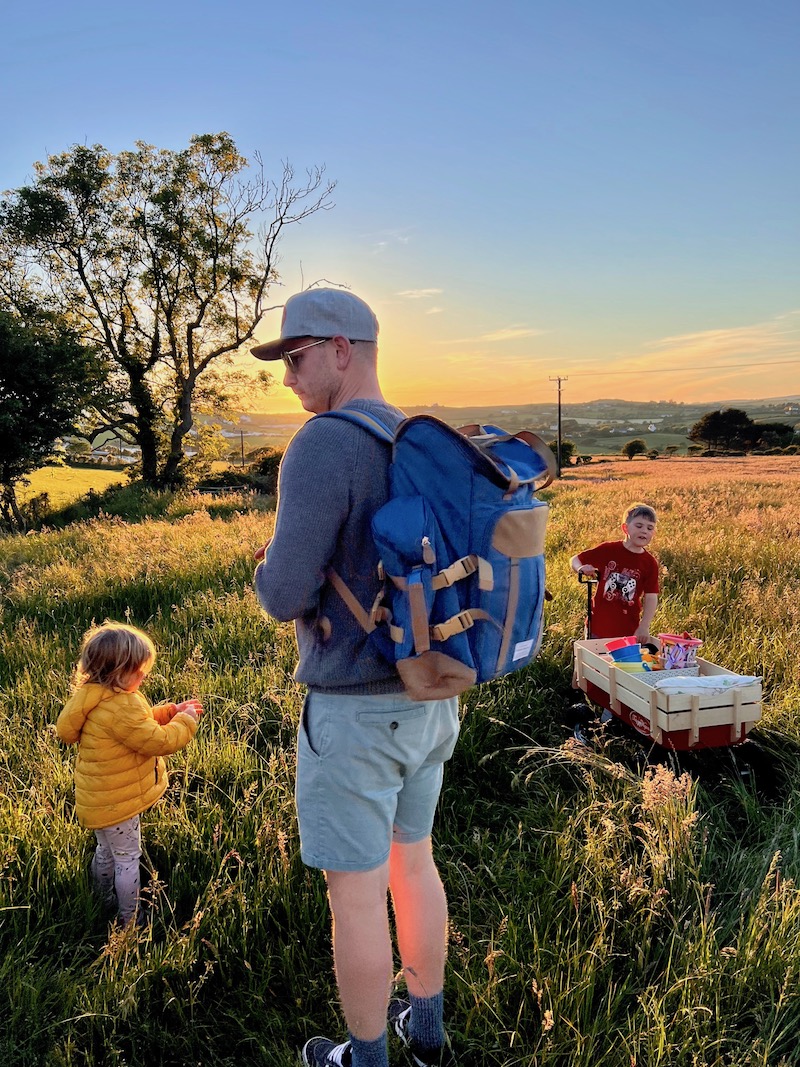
column 111, row 653
column 639, row 511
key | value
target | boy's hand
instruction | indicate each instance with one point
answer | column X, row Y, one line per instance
column 588, row 569
column 190, row 707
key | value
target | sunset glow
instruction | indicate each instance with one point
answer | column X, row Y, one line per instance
column 606, row 194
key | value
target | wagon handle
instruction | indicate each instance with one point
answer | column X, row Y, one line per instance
column 589, row 580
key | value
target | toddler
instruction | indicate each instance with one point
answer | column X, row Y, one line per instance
column 121, row 739
column 627, row 578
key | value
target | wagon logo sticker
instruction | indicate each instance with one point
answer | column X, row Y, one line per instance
column 640, row 723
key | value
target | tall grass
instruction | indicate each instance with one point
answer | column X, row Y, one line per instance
column 600, row 913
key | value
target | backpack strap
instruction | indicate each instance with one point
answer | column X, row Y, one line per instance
column 367, row 620
column 361, row 418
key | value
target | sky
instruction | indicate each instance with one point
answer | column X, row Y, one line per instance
column 608, row 193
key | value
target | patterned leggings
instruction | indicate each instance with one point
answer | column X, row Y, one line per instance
column 115, row 865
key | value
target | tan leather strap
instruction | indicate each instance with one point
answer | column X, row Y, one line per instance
column 362, row 617
column 511, row 611
column 419, row 618
column 397, row 633
column 485, row 574
column 544, row 452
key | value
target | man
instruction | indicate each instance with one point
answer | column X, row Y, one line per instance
column 369, row 759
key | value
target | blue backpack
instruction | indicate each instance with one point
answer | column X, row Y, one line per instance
column 461, row 544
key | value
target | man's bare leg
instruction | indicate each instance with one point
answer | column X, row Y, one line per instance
column 420, row 909
column 362, row 947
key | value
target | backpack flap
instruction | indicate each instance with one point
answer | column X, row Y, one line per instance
column 522, row 457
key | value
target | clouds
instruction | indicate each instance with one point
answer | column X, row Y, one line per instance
column 510, row 333
column 499, row 336
column 776, row 336
column 715, row 364
column 385, row 239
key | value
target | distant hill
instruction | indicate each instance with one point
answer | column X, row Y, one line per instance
column 597, row 426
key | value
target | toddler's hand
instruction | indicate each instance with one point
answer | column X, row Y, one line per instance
column 190, row 707
column 588, row 569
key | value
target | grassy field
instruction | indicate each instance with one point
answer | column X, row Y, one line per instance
column 600, row 913
column 63, row 485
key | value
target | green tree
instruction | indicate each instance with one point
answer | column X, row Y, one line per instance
column 568, row 450
column 152, row 255
column 47, row 378
column 636, row 447
column 726, row 428
column 776, row 434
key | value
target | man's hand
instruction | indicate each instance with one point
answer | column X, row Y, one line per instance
column 260, row 553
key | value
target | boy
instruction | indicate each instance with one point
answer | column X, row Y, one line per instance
column 627, row 578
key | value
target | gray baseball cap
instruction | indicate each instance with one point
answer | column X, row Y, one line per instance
column 321, row 313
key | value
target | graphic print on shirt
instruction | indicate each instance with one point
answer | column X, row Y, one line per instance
column 619, row 584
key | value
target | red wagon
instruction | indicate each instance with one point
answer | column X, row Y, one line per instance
column 678, row 721
column 692, row 719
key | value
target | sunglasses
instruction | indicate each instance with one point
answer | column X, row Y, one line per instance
column 292, row 358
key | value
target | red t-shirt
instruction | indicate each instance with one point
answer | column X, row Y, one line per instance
column 623, row 577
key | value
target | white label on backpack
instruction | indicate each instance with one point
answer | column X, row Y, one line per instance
column 522, row 649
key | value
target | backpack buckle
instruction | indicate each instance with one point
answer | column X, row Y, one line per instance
column 456, row 624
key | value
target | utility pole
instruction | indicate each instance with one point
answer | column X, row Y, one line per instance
column 241, row 439
column 558, row 436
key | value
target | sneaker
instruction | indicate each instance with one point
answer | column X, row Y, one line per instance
column 320, row 1052
column 399, row 1018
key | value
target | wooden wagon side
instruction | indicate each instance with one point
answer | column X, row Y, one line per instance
column 676, row 721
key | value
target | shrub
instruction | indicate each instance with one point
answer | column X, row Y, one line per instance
column 636, row 447
column 227, row 479
column 264, row 467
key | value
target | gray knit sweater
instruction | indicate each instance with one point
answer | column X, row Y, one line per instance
column 333, row 478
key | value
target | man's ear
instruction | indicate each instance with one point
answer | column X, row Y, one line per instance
column 343, row 350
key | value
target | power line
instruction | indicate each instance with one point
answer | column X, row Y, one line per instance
column 690, row 370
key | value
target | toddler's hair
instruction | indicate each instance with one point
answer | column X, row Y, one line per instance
column 111, row 653
column 639, row 511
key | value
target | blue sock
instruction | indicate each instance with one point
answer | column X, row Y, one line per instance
column 426, row 1024
column 370, row 1053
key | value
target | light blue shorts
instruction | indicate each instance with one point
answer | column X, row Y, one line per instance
column 369, row 773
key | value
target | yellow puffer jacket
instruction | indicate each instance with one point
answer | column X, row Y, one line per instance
column 121, row 740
